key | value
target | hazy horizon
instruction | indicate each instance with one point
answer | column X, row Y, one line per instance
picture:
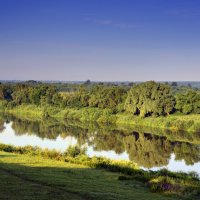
column 97, row 81
column 100, row 40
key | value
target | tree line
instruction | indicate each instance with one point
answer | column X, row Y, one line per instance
column 144, row 99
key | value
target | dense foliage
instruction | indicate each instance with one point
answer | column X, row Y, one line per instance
column 150, row 98
column 27, row 94
column 99, row 96
column 188, row 103
column 144, row 99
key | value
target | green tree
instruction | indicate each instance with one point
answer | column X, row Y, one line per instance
column 188, row 102
column 150, row 98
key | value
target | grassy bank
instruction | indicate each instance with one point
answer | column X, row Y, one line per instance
column 190, row 123
column 53, row 127
column 75, row 176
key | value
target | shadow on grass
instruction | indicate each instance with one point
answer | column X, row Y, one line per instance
column 69, row 182
column 32, row 176
column 36, row 183
column 6, row 156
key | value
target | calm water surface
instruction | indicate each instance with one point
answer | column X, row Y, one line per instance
column 149, row 151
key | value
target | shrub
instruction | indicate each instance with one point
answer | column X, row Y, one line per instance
column 74, row 151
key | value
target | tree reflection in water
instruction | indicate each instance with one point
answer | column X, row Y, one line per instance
column 147, row 150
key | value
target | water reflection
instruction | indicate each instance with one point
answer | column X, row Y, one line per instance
column 147, row 150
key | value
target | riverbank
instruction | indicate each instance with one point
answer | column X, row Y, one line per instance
column 189, row 123
column 93, row 178
column 55, row 126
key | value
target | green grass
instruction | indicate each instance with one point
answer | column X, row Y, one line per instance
column 30, row 111
column 89, row 176
column 30, row 177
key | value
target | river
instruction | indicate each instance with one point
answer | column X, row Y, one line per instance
column 151, row 151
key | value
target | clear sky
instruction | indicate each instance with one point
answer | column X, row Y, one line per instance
column 105, row 40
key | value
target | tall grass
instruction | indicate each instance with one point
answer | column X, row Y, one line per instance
column 190, row 123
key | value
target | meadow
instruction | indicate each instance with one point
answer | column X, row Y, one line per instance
column 73, row 175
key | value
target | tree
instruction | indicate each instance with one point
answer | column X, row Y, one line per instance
column 150, row 98
column 111, row 97
column 174, row 84
column 5, row 92
column 131, row 84
column 189, row 85
column 188, row 102
column 88, row 82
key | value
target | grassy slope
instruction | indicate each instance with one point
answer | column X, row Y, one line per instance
column 189, row 123
column 27, row 177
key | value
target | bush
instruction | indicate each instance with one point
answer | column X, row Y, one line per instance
column 74, row 151
column 163, row 184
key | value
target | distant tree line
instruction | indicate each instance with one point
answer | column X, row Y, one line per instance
column 144, row 99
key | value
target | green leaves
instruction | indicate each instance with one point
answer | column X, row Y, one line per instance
column 150, row 98
column 188, row 102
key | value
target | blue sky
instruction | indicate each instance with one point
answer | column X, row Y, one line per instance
column 105, row 40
